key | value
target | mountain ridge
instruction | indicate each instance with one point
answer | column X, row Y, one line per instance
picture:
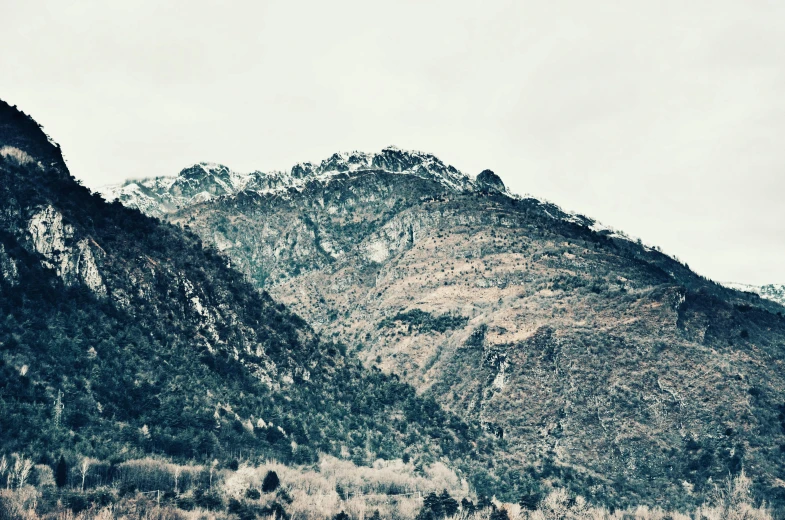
column 542, row 327
column 159, row 195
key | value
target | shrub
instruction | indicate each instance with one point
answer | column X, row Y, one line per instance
column 275, row 510
column 499, row 514
column 271, row 482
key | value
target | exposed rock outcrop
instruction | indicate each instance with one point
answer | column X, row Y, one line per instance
column 74, row 262
column 489, row 181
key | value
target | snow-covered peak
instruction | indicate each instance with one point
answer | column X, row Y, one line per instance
column 203, row 181
column 390, row 159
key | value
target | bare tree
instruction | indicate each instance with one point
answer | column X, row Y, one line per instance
column 84, row 467
column 4, row 468
column 177, row 471
column 21, row 471
column 213, row 465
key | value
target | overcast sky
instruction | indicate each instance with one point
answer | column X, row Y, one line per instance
column 665, row 119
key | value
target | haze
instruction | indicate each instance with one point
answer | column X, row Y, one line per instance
column 663, row 119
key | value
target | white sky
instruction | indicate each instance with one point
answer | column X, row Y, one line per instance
column 665, row 119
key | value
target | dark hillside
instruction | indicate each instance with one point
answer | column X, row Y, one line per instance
column 121, row 335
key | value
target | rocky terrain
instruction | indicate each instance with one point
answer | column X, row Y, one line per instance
column 591, row 357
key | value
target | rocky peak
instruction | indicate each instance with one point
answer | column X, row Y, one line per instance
column 489, row 181
column 203, row 181
column 208, row 178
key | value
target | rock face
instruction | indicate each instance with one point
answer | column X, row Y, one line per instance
column 593, row 357
column 73, row 261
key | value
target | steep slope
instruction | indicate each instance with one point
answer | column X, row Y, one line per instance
column 121, row 335
column 591, row 356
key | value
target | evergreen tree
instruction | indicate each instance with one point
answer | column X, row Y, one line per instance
column 61, row 472
column 449, row 505
column 483, row 502
column 529, row 501
column 500, row 514
column 271, row 482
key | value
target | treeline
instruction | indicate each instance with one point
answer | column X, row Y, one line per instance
column 157, row 489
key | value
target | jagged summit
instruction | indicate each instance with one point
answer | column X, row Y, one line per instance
column 204, row 181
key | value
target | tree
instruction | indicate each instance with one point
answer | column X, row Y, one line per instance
column 448, row 504
column 177, row 472
column 499, row 514
column 271, row 482
column 467, row 506
column 21, row 471
column 431, row 507
column 529, row 501
column 61, row 472
column 436, row 506
column 483, row 502
column 3, row 465
column 84, row 467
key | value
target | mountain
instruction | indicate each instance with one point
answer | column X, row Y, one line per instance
column 122, row 336
column 591, row 357
column 773, row 292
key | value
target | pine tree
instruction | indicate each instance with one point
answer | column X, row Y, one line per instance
column 61, row 472
column 449, row 505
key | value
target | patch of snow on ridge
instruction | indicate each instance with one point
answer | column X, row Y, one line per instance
column 168, row 190
column 773, row 292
